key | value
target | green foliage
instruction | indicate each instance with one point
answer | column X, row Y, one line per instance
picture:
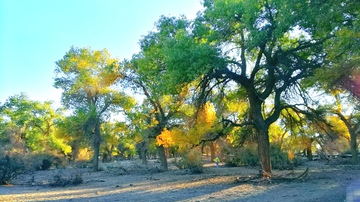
column 89, row 75
column 280, row 159
column 32, row 123
column 126, row 148
column 263, row 48
column 252, row 54
column 248, row 156
column 243, row 156
column 173, row 54
column 88, row 79
column 343, row 49
column 72, row 130
column 10, row 167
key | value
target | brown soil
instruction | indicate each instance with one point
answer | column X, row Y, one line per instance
column 130, row 181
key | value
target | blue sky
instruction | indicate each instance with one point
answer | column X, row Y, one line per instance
column 34, row 34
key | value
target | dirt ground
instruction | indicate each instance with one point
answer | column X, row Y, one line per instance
column 131, row 181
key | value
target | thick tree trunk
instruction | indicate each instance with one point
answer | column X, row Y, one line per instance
column 262, row 129
column 162, row 157
column 354, row 148
column 96, row 145
column 264, row 153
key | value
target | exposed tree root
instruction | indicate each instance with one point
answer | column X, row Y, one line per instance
column 271, row 178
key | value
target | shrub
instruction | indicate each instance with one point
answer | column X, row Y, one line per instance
column 60, row 181
column 248, row 156
column 192, row 161
column 244, row 156
column 44, row 161
column 46, row 164
column 9, row 169
column 281, row 159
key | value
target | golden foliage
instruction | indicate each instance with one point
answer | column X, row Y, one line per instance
column 185, row 138
column 291, row 155
column 276, row 133
column 207, row 115
column 164, row 139
column 339, row 127
column 239, row 107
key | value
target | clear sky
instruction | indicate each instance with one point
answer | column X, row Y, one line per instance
column 36, row 33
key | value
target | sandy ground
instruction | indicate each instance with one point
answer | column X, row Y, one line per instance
column 138, row 183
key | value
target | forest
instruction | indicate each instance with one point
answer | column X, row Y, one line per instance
column 261, row 83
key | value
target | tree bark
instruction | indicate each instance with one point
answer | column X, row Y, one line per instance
column 74, row 150
column 353, row 135
column 212, row 151
column 264, row 153
column 309, row 153
column 96, row 144
column 308, row 150
column 354, row 148
column 143, row 150
column 262, row 129
column 162, row 157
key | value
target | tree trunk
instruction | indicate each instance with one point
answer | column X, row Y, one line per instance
column 162, row 157
column 110, row 152
column 212, row 151
column 264, row 153
column 354, row 148
column 143, row 150
column 96, row 144
column 262, row 129
column 74, row 150
column 309, row 153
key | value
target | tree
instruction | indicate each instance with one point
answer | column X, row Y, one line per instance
column 302, row 130
column 351, row 124
column 117, row 141
column 165, row 99
column 342, row 73
column 88, row 80
column 344, row 54
column 197, row 128
column 72, row 129
column 15, row 113
column 266, row 48
column 159, row 109
column 32, row 123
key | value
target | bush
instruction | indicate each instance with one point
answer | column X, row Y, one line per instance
column 44, row 161
column 245, row 156
column 248, row 156
column 192, row 161
column 60, row 181
column 46, row 164
column 281, row 159
column 9, row 169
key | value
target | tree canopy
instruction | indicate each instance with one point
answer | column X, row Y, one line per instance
column 243, row 71
column 87, row 79
column 265, row 47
